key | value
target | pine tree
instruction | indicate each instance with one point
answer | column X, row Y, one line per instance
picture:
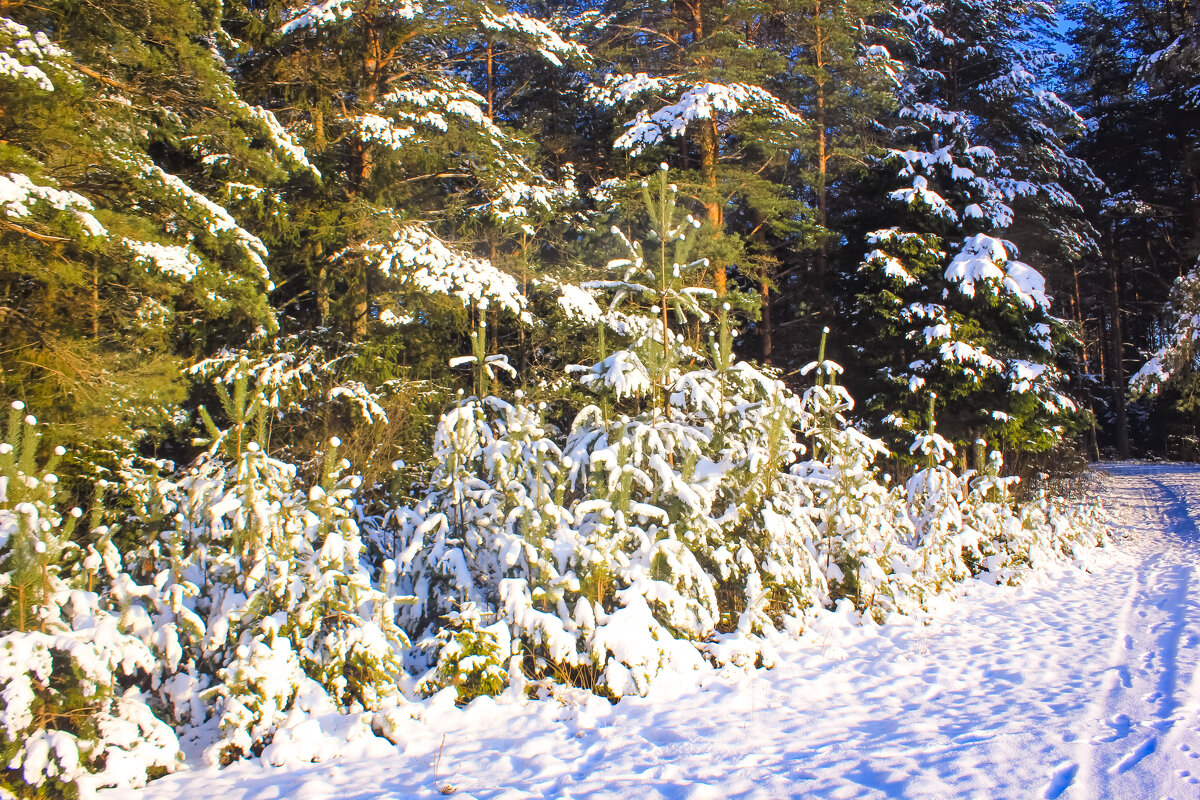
column 396, row 102
column 841, row 75
column 700, row 82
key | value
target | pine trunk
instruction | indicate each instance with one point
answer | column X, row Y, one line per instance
column 712, row 202
column 1120, row 394
column 822, row 258
column 768, row 345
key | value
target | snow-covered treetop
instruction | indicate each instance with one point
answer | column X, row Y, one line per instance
column 481, row 17
column 985, row 50
column 691, row 101
column 549, row 44
column 423, row 263
column 314, row 15
column 658, row 277
column 985, row 262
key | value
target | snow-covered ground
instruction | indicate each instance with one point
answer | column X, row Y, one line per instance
column 1076, row 685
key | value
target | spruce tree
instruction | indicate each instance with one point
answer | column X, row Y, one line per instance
column 980, row 161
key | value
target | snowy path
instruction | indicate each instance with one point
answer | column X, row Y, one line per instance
column 1077, row 686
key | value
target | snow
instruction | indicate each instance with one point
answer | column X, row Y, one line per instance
column 514, row 200
column 374, row 128
column 425, row 263
column 986, row 260
column 18, row 192
column 19, row 45
column 920, row 194
column 1082, row 683
column 213, row 216
column 174, row 260
column 549, row 44
column 890, row 266
column 578, row 304
column 695, row 101
column 319, row 14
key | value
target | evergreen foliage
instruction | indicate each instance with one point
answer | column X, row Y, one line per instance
column 1133, row 75
column 74, row 715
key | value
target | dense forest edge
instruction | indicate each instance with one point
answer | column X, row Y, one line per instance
column 360, row 350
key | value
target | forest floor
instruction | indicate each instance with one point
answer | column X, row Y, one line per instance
column 1078, row 684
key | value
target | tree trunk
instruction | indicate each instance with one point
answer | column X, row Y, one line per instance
column 95, row 301
column 1120, row 390
column 364, row 166
column 358, row 309
column 822, row 258
column 708, row 141
column 491, row 80
column 768, row 345
column 323, row 294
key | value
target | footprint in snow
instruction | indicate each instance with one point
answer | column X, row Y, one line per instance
column 1120, row 725
column 1137, row 754
column 1061, row 779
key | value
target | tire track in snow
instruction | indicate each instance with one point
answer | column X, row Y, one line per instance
column 1152, row 658
column 1080, row 776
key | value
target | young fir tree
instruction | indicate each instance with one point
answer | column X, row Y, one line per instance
column 263, row 607
column 662, row 517
column 71, row 670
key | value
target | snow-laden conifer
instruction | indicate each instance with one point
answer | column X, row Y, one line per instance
column 965, row 316
column 72, row 672
column 262, row 608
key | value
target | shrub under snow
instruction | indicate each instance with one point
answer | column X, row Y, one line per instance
column 641, row 536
